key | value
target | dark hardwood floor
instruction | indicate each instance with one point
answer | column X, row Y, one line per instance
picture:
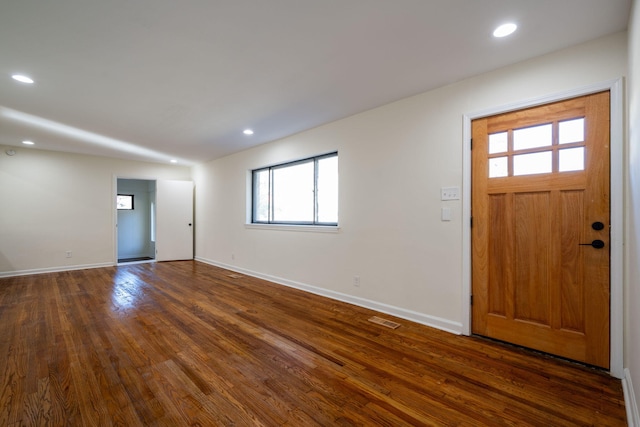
column 182, row 343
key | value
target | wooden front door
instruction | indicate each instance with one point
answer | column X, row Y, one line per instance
column 540, row 232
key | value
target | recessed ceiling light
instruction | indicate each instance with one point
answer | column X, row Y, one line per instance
column 247, row 132
column 28, row 142
column 173, row 161
column 22, row 78
column 504, row 30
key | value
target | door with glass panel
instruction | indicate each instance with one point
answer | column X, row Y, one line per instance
column 540, row 234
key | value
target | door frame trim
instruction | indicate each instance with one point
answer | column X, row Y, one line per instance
column 615, row 87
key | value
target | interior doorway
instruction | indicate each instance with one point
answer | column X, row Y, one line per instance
column 136, row 225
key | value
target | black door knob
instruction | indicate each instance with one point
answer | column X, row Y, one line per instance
column 598, row 244
column 597, row 226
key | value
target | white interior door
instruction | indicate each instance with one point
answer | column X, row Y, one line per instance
column 174, row 220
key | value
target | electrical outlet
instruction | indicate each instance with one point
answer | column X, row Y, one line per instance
column 356, row 281
column 233, row 256
column 68, row 254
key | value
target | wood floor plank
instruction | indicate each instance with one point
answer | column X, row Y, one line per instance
column 183, row 343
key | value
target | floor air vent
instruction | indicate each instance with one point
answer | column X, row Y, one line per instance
column 384, row 322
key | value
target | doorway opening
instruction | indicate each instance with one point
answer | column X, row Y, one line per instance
column 136, row 220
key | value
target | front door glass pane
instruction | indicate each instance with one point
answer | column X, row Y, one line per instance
column 498, row 142
column 532, row 163
column 532, row 137
column 572, row 159
column 571, row 131
column 498, row 167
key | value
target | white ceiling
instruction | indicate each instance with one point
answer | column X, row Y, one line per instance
column 161, row 79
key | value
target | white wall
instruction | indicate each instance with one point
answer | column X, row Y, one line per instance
column 53, row 202
column 632, row 343
column 393, row 160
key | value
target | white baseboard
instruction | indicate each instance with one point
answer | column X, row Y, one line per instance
column 424, row 319
column 53, row 269
column 630, row 402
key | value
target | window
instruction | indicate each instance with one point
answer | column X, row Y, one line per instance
column 124, row 202
column 546, row 148
column 304, row 192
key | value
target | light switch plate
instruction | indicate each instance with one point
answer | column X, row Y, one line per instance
column 450, row 193
column 446, row 214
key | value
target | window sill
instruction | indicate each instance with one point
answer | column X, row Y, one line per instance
column 294, row 227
